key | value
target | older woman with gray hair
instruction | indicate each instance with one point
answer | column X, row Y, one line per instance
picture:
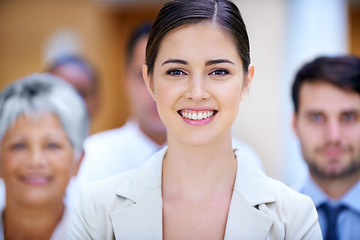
column 43, row 123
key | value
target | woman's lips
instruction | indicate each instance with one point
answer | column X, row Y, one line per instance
column 35, row 179
column 197, row 114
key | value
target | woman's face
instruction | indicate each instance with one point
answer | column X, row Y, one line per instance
column 36, row 160
column 198, row 81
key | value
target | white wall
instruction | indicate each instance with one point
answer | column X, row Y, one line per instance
column 283, row 34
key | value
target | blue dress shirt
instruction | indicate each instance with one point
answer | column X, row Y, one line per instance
column 348, row 222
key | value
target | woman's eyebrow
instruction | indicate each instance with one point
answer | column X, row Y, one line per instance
column 217, row 61
column 179, row 61
column 209, row 62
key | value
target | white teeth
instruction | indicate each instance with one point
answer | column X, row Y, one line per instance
column 194, row 116
column 197, row 116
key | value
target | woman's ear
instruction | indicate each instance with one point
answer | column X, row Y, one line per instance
column 148, row 82
column 247, row 80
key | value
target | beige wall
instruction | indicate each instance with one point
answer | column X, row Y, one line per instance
column 354, row 22
column 102, row 29
column 258, row 119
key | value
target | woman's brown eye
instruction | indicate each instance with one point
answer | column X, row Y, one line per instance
column 175, row 72
column 219, row 72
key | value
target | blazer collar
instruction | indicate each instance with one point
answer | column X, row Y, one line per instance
column 252, row 183
column 142, row 217
column 251, row 189
column 144, row 212
column 139, row 182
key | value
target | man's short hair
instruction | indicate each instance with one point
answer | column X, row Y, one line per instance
column 340, row 71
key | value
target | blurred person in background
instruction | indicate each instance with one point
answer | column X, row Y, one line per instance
column 326, row 119
column 82, row 75
column 77, row 71
column 43, row 123
column 117, row 150
column 121, row 149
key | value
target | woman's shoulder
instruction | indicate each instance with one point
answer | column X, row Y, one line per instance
column 132, row 184
column 257, row 187
column 293, row 214
column 289, row 200
column 106, row 187
column 99, row 199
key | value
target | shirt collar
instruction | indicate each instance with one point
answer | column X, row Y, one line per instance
column 350, row 199
column 315, row 192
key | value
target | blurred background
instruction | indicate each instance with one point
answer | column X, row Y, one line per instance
column 284, row 34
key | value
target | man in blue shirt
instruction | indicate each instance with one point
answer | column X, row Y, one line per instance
column 326, row 119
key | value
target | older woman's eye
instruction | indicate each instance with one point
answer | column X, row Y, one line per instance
column 53, row 146
column 17, row 146
column 175, row 72
column 219, row 72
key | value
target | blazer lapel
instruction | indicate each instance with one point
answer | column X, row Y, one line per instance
column 141, row 220
column 140, row 214
column 245, row 221
column 251, row 189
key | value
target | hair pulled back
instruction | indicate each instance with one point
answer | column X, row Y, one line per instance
column 180, row 13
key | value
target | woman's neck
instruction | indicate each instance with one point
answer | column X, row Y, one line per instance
column 31, row 222
column 197, row 187
column 199, row 169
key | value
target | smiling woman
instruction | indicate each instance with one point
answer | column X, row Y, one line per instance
column 201, row 79
column 43, row 123
column 198, row 187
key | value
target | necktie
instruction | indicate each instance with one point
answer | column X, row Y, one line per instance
column 332, row 213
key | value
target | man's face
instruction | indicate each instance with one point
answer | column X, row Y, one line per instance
column 143, row 105
column 328, row 126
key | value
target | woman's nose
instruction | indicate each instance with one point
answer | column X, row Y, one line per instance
column 197, row 89
column 36, row 157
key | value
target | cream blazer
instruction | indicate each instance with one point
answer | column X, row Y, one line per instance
column 129, row 206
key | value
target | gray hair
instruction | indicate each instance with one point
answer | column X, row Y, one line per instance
column 40, row 93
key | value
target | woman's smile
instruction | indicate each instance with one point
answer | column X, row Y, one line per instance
column 197, row 117
column 35, row 179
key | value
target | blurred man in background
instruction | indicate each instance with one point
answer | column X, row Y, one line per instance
column 326, row 97
column 121, row 149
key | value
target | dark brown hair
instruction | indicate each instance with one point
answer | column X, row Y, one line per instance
column 179, row 13
column 340, row 71
column 139, row 32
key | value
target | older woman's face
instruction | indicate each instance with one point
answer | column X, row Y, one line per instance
column 37, row 160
